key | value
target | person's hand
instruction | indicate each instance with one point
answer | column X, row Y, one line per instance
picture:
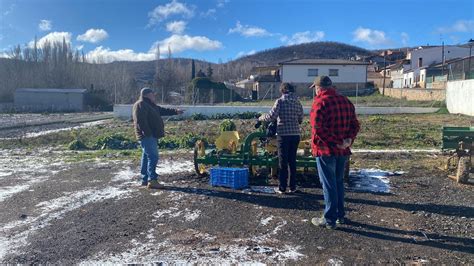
column 179, row 111
column 346, row 143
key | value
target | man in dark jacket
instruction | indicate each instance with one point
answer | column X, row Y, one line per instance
column 334, row 127
column 149, row 127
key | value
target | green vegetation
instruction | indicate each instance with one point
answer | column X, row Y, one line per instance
column 114, row 141
column 220, row 116
column 415, row 131
column 227, row 125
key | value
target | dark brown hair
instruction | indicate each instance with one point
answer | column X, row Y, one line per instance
column 286, row 87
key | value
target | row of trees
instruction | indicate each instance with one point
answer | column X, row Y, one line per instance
column 57, row 65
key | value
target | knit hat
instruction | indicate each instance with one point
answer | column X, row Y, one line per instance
column 146, row 91
column 322, row 81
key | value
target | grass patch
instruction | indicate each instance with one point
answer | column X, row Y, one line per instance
column 416, row 131
column 373, row 100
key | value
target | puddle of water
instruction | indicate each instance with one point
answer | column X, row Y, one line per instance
column 371, row 180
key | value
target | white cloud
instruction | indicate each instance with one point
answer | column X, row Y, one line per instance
column 176, row 27
column 242, row 53
column 249, row 31
column 179, row 43
column 303, row 37
column 174, row 7
column 209, row 13
column 458, row 26
column 80, row 47
column 222, row 3
column 53, row 37
column 405, row 38
column 105, row 55
column 93, row 36
column 45, row 25
column 370, row 36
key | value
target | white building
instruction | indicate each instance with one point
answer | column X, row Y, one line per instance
column 340, row 71
column 397, row 73
column 345, row 74
column 424, row 57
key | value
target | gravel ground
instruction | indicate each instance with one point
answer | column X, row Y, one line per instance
column 95, row 212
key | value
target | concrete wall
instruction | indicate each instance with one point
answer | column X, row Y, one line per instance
column 48, row 101
column 417, row 94
column 124, row 111
column 347, row 73
column 460, row 97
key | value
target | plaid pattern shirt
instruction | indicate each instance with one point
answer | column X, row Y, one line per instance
column 332, row 120
column 288, row 112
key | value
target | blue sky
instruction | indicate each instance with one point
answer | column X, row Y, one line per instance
column 214, row 30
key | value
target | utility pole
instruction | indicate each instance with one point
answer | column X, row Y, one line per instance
column 384, row 71
column 442, row 59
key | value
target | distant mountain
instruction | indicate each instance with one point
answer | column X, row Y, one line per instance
column 328, row 50
column 240, row 67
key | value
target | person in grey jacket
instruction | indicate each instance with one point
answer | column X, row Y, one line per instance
column 288, row 112
column 149, row 127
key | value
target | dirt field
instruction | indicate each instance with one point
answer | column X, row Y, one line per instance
column 86, row 207
column 95, row 212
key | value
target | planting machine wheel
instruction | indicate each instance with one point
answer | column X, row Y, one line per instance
column 200, row 151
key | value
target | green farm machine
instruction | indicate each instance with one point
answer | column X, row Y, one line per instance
column 460, row 141
column 257, row 152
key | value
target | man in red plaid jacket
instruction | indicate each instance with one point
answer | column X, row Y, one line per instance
column 334, row 127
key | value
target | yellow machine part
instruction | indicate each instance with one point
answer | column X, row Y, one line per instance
column 272, row 146
column 228, row 140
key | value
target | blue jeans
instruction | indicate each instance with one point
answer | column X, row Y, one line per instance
column 331, row 175
column 149, row 158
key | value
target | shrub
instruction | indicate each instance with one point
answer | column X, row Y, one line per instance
column 77, row 145
column 114, row 142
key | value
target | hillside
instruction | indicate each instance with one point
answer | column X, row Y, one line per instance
column 306, row 50
column 235, row 69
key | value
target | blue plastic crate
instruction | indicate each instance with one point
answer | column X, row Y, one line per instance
column 235, row 178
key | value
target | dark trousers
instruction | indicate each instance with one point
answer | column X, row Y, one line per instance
column 287, row 147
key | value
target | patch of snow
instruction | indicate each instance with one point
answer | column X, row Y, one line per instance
column 190, row 216
column 371, row 180
column 55, row 209
column 47, row 132
column 335, row 262
column 266, row 220
column 125, row 175
column 173, row 167
column 9, row 191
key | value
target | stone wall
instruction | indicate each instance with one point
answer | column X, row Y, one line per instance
column 416, row 94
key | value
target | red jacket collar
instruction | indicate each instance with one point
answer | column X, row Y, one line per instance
column 328, row 91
